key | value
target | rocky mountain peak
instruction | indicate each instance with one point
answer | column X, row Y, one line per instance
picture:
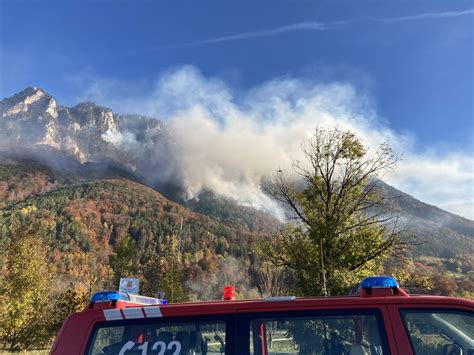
column 89, row 106
column 87, row 132
column 89, row 115
column 32, row 100
column 29, row 93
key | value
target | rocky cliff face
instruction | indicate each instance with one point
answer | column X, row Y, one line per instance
column 86, row 132
column 30, row 117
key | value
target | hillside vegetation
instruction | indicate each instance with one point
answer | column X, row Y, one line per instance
column 436, row 230
column 87, row 213
column 96, row 228
column 82, row 224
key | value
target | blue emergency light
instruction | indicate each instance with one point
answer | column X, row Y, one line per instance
column 110, row 296
column 375, row 282
column 379, row 282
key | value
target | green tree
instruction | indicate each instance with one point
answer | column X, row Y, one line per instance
column 165, row 273
column 24, row 296
column 68, row 302
column 338, row 230
column 125, row 262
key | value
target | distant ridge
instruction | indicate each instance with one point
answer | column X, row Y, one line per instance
column 89, row 142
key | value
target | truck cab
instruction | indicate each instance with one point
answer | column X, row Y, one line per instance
column 378, row 317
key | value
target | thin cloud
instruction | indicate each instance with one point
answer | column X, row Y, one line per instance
column 321, row 26
column 313, row 25
column 427, row 16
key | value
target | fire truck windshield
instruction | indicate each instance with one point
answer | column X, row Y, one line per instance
column 145, row 337
column 296, row 332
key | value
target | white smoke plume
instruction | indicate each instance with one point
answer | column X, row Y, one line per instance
column 229, row 141
column 230, row 272
column 126, row 140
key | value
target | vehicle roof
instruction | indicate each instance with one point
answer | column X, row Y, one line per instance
column 299, row 303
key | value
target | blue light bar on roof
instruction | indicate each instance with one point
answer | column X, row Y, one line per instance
column 375, row 282
column 109, row 296
column 379, row 282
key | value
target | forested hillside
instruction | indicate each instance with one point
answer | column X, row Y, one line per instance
column 93, row 226
column 436, row 230
column 84, row 215
column 83, row 234
column 83, row 224
column 232, row 214
column 19, row 181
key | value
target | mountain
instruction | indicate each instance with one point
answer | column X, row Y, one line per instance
column 88, row 177
column 25, row 178
column 91, row 140
column 32, row 120
column 435, row 230
column 466, row 208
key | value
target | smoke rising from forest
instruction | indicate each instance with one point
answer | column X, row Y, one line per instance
column 229, row 141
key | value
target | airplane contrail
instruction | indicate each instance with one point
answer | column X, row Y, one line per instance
column 313, row 25
column 428, row 16
column 322, row 26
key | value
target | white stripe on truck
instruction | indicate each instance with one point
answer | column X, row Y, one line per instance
column 132, row 313
column 152, row 312
column 112, row 314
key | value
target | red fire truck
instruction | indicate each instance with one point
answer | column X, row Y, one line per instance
column 378, row 318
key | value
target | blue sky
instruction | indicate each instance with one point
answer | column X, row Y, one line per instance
column 419, row 73
column 413, row 60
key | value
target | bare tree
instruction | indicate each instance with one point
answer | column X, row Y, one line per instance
column 339, row 229
column 274, row 280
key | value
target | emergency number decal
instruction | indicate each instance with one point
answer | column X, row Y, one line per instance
column 161, row 346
